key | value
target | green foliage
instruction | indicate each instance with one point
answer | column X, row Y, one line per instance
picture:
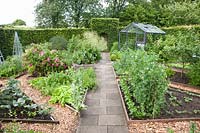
column 50, row 14
column 41, row 61
column 85, row 50
column 12, row 66
column 61, row 13
column 193, row 127
column 28, row 36
column 107, row 27
column 143, row 82
column 15, row 128
column 180, row 13
column 144, row 13
column 114, row 47
column 169, row 72
column 95, row 40
column 177, row 48
column 58, row 43
column 67, row 87
column 18, row 22
column 114, row 53
column 14, row 103
column 194, row 74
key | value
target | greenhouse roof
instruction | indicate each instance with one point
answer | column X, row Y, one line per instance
column 140, row 28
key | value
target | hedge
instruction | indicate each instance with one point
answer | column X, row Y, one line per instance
column 107, row 27
column 184, row 28
column 28, row 36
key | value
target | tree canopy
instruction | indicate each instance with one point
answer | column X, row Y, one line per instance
column 76, row 13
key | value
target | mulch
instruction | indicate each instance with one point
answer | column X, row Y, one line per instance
column 68, row 118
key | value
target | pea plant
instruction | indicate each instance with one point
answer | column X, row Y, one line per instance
column 143, row 82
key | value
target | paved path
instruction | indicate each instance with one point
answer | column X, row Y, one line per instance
column 104, row 113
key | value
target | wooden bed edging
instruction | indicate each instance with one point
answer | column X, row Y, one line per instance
column 74, row 110
column 29, row 120
column 185, row 87
column 129, row 121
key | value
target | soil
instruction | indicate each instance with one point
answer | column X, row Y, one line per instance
column 177, row 78
column 67, row 118
column 21, row 112
column 179, row 104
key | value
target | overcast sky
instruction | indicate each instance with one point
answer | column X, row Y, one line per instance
column 10, row 10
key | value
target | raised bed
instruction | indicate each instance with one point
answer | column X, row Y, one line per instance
column 182, row 83
column 18, row 107
column 163, row 120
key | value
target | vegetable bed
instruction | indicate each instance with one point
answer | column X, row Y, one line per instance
column 16, row 105
column 179, row 104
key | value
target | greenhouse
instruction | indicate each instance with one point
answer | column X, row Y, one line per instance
column 140, row 30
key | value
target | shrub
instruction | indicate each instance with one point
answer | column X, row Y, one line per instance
column 41, row 61
column 37, row 36
column 194, row 74
column 58, row 43
column 11, row 67
column 144, row 83
column 95, row 40
column 67, row 87
column 83, row 50
column 107, row 26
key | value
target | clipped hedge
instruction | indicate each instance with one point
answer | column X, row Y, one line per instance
column 184, row 29
column 106, row 27
column 28, row 36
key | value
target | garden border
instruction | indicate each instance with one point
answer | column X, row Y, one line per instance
column 129, row 121
column 53, row 121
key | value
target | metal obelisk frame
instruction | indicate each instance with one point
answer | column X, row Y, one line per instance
column 17, row 47
column 1, row 58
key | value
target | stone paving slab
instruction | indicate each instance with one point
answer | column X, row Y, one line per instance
column 118, row 120
column 94, row 111
column 114, row 110
column 113, row 96
column 89, row 120
column 110, row 102
column 92, row 129
column 117, row 129
column 92, row 102
column 104, row 113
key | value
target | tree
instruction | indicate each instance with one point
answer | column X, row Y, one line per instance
column 50, row 13
column 18, row 22
column 115, row 7
column 76, row 10
column 55, row 13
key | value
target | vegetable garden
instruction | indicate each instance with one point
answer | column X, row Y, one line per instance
column 53, row 76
